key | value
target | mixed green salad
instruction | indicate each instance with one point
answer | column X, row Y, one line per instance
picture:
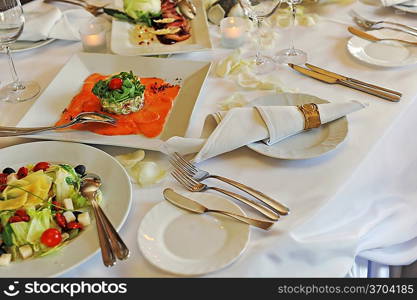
column 137, row 11
column 41, row 209
column 122, row 93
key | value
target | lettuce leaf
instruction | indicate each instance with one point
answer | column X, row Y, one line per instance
column 20, row 232
column 40, row 221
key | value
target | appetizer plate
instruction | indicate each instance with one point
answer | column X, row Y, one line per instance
column 307, row 144
column 199, row 40
column 385, row 53
column 409, row 6
column 49, row 106
column 184, row 243
column 117, row 198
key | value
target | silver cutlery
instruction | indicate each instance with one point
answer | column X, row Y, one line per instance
column 179, row 162
column 85, row 117
column 372, row 38
column 195, row 186
column 336, row 79
column 196, row 207
column 111, row 244
column 368, row 24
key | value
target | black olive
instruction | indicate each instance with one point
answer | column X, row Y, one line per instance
column 80, row 169
column 76, row 213
column 2, row 251
column 8, row 171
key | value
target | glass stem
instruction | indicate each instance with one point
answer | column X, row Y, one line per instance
column 292, row 26
column 258, row 57
column 17, row 84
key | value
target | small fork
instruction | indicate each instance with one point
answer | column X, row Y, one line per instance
column 195, row 186
column 375, row 25
column 197, row 174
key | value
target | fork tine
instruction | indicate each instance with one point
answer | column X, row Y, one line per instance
column 182, row 159
column 180, row 180
column 176, row 162
column 188, row 179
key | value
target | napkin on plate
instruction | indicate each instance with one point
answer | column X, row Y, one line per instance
column 43, row 21
column 226, row 131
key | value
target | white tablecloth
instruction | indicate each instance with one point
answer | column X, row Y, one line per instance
column 358, row 202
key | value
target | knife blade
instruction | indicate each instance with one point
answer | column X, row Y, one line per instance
column 356, row 86
column 341, row 77
column 193, row 206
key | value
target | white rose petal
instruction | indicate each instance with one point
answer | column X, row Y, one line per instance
column 235, row 100
column 130, row 159
column 147, row 173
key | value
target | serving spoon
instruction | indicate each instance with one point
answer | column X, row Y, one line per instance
column 85, row 117
column 111, row 243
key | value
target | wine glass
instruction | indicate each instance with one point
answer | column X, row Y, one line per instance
column 292, row 55
column 257, row 11
column 11, row 26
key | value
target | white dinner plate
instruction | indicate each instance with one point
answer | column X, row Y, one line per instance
column 199, row 40
column 384, row 53
column 307, row 144
column 188, row 244
column 117, row 198
column 47, row 110
column 20, row 46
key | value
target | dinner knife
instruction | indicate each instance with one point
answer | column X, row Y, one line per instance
column 372, row 38
column 193, row 206
column 333, row 80
column 341, row 77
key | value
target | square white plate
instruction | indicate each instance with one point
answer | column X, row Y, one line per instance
column 47, row 109
column 199, row 40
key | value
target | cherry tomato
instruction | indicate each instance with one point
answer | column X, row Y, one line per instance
column 60, row 220
column 43, row 165
column 20, row 213
column 15, row 219
column 51, row 237
column 115, row 83
column 23, row 172
column 55, row 205
column 3, row 182
column 25, row 218
column 74, row 225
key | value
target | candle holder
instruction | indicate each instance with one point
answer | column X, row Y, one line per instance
column 93, row 37
column 233, row 32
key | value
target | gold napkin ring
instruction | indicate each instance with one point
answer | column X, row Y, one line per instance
column 311, row 115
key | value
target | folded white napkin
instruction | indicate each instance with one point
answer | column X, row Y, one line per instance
column 43, row 21
column 392, row 2
column 224, row 132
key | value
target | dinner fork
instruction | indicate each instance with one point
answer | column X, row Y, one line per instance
column 179, row 162
column 368, row 24
column 195, row 186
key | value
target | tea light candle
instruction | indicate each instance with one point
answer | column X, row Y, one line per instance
column 93, row 37
column 232, row 31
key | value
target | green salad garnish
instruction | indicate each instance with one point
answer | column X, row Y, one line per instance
column 119, row 88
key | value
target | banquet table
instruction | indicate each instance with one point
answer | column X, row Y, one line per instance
column 350, row 207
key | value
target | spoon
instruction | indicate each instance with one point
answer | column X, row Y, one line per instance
column 187, row 8
column 85, row 117
column 110, row 241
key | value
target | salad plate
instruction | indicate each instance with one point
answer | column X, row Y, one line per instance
column 121, row 36
column 188, row 244
column 116, row 191
column 189, row 75
column 386, row 53
column 307, row 144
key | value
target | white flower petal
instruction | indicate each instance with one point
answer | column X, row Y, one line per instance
column 130, row 159
column 147, row 173
column 235, row 100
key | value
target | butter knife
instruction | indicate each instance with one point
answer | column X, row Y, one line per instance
column 372, row 38
column 195, row 207
column 333, row 80
column 341, row 77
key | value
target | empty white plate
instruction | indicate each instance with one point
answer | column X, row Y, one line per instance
column 384, row 53
column 189, row 244
column 307, row 144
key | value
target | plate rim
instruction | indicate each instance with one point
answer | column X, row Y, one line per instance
column 125, row 216
column 254, row 147
column 349, row 46
column 164, row 203
column 38, row 44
